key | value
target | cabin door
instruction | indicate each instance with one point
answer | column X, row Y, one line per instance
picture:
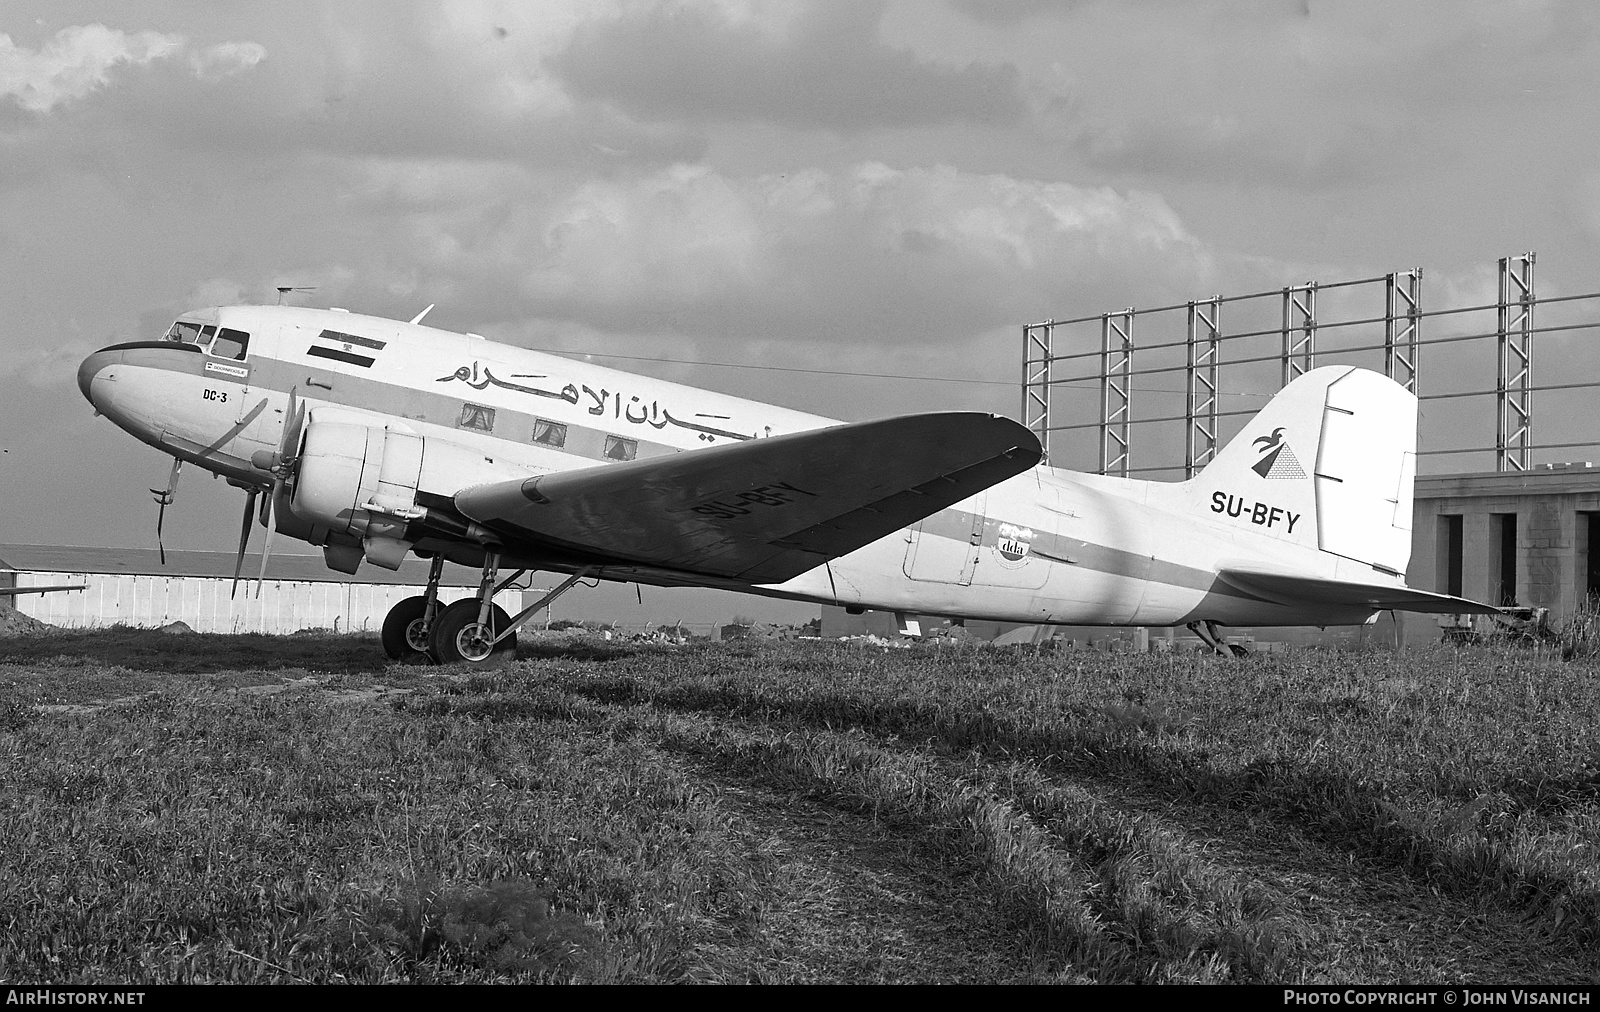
column 944, row 548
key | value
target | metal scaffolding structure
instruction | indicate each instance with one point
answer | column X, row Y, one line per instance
column 1299, row 330
column 1513, row 442
column 1036, row 377
column 1402, row 326
column 1059, row 352
column 1201, row 406
column 1116, row 389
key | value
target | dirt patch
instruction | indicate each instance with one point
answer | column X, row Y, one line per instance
column 362, row 694
column 1375, row 922
column 856, row 901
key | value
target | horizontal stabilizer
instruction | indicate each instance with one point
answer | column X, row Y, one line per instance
column 764, row 510
column 1289, row 589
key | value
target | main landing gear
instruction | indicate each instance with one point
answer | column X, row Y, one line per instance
column 1207, row 631
column 473, row 630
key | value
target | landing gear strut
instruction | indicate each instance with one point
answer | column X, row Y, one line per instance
column 1207, row 631
column 406, row 627
column 472, row 631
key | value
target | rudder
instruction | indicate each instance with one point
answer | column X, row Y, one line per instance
column 1366, row 471
column 1329, row 463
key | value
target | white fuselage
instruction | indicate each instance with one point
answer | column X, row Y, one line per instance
column 1049, row 545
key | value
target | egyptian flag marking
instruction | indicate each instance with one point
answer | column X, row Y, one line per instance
column 341, row 348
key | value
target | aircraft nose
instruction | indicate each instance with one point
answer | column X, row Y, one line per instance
column 89, row 369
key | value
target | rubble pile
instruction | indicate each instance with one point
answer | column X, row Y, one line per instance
column 15, row 623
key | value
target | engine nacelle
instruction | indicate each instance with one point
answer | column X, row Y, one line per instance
column 363, row 480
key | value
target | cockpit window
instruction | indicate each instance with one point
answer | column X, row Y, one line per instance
column 186, row 333
column 230, row 344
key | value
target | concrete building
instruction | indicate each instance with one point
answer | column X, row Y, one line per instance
column 130, row 586
column 1510, row 537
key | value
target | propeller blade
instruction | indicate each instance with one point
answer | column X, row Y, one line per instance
column 293, row 420
column 266, row 516
column 282, row 465
column 244, row 538
column 266, row 553
column 164, row 499
column 161, row 515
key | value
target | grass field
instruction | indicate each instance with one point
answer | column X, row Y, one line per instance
column 247, row 808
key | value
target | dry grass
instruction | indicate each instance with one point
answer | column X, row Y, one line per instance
column 585, row 814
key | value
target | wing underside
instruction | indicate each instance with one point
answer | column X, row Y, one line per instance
column 1290, row 589
column 761, row 511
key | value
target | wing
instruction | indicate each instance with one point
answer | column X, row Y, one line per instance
column 765, row 510
column 1291, row 589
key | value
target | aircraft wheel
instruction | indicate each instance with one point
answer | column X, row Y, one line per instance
column 403, row 636
column 457, row 638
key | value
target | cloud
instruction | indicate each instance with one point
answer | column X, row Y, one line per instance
column 226, row 59
column 215, row 292
column 76, row 63
column 1311, row 95
column 463, row 82
column 1586, row 201
column 1009, row 12
column 80, row 60
column 870, row 253
column 821, row 68
column 43, row 368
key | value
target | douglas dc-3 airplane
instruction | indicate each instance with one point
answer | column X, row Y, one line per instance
column 375, row 439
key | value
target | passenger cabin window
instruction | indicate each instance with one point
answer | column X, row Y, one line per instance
column 230, row 344
column 476, row 416
column 618, row 448
column 184, row 333
column 548, row 433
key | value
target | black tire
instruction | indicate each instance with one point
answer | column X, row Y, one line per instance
column 446, row 641
column 398, row 635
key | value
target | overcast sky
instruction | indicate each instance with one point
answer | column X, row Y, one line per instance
column 876, row 188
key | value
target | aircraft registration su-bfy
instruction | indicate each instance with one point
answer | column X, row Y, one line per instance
column 375, row 439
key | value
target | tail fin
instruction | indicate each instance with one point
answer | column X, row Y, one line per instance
column 1329, row 463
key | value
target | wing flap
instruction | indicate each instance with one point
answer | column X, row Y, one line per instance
column 764, row 510
column 1291, row 589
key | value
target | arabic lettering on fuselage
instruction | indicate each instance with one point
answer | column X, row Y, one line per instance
column 635, row 411
column 568, row 393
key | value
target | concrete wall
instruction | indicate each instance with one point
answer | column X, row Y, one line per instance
column 205, row 605
column 1552, row 543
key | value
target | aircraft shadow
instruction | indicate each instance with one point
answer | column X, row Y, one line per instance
column 151, row 650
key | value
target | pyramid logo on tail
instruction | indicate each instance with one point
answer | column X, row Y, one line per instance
column 1278, row 461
